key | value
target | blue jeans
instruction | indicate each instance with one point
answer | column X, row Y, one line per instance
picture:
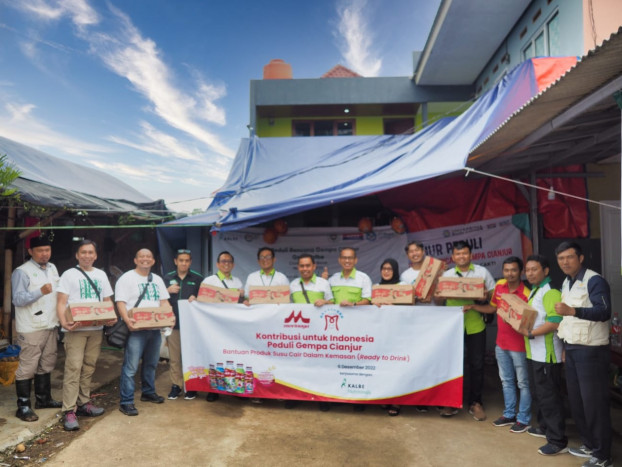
column 513, row 371
column 145, row 344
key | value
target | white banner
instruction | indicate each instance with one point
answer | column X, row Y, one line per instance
column 491, row 242
column 367, row 354
column 323, row 243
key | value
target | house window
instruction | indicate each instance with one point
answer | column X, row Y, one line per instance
column 398, row 126
column 323, row 128
column 545, row 42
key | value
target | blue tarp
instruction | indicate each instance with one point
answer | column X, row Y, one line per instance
column 274, row 177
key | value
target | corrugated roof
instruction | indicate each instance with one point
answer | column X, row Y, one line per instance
column 535, row 122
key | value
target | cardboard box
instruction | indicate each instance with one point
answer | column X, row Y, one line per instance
column 431, row 269
column 516, row 312
column 471, row 288
column 153, row 317
column 393, row 294
column 268, row 294
column 212, row 294
column 91, row 313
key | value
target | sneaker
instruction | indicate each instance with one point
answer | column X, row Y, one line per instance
column 536, row 431
column 89, row 410
column 256, row 400
column 551, row 450
column 448, row 411
column 190, row 395
column 175, row 392
column 128, row 409
column 519, row 427
column 70, row 421
column 581, row 451
column 504, row 421
column 152, row 398
column 596, row 462
column 421, row 408
column 477, row 411
column 211, row 397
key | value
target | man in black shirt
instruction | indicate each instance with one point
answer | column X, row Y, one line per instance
column 182, row 284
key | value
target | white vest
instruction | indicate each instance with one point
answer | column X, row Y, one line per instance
column 26, row 317
column 581, row 331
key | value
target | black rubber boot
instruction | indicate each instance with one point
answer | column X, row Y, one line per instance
column 24, row 412
column 43, row 393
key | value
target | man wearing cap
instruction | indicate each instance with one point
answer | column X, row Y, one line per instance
column 182, row 284
column 81, row 284
column 34, row 286
column 267, row 275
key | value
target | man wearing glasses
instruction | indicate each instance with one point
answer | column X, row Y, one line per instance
column 182, row 284
column 350, row 287
column 267, row 275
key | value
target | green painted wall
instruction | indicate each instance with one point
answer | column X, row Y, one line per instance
column 280, row 127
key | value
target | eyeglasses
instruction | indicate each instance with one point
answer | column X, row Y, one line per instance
column 183, row 252
column 265, row 257
column 347, row 258
column 387, row 269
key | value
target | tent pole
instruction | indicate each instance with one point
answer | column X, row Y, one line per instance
column 8, row 269
column 533, row 214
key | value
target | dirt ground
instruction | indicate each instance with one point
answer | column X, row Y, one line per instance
column 235, row 432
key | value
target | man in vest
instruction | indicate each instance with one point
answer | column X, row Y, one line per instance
column 586, row 308
column 267, row 275
column 34, row 286
column 544, row 359
column 182, row 284
column 350, row 287
column 309, row 288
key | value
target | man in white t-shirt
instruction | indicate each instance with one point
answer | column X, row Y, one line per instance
column 140, row 288
column 82, row 344
column 416, row 256
column 267, row 275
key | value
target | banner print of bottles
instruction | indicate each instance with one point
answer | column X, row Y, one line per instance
column 231, row 379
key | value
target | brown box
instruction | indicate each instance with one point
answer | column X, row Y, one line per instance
column 268, row 294
column 516, row 312
column 153, row 317
column 213, row 294
column 91, row 313
column 472, row 288
column 430, row 270
column 397, row 294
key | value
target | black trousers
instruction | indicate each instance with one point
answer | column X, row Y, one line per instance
column 546, row 382
column 587, row 379
column 475, row 349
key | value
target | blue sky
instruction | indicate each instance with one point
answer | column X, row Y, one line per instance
column 156, row 92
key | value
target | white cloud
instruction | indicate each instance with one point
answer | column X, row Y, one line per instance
column 19, row 124
column 356, row 38
column 79, row 11
column 138, row 59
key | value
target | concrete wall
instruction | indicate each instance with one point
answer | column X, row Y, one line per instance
column 600, row 189
column 607, row 19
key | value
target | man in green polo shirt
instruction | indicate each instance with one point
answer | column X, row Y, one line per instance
column 474, row 328
column 309, row 288
column 350, row 287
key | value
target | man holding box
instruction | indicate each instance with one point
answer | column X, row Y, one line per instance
column 474, row 328
column 81, row 284
column 183, row 284
column 267, row 275
column 510, row 350
column 586, row 308
column 544, row 358
column 416, row 256
column 34, row 285
column 140, row 288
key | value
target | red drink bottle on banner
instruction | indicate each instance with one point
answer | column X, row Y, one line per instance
column 213, row 377
column 239, row 378
column 249, row 382
column 230, row 377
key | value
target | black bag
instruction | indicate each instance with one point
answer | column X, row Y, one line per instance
column 118, row 333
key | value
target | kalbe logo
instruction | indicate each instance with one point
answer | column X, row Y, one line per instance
column 296, row 318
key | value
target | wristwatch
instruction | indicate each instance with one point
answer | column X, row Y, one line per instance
column 530, row 335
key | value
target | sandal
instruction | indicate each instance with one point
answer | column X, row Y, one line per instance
column 394, row 411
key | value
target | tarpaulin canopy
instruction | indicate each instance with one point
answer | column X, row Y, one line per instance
column 48, row 181
column 274, row 177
